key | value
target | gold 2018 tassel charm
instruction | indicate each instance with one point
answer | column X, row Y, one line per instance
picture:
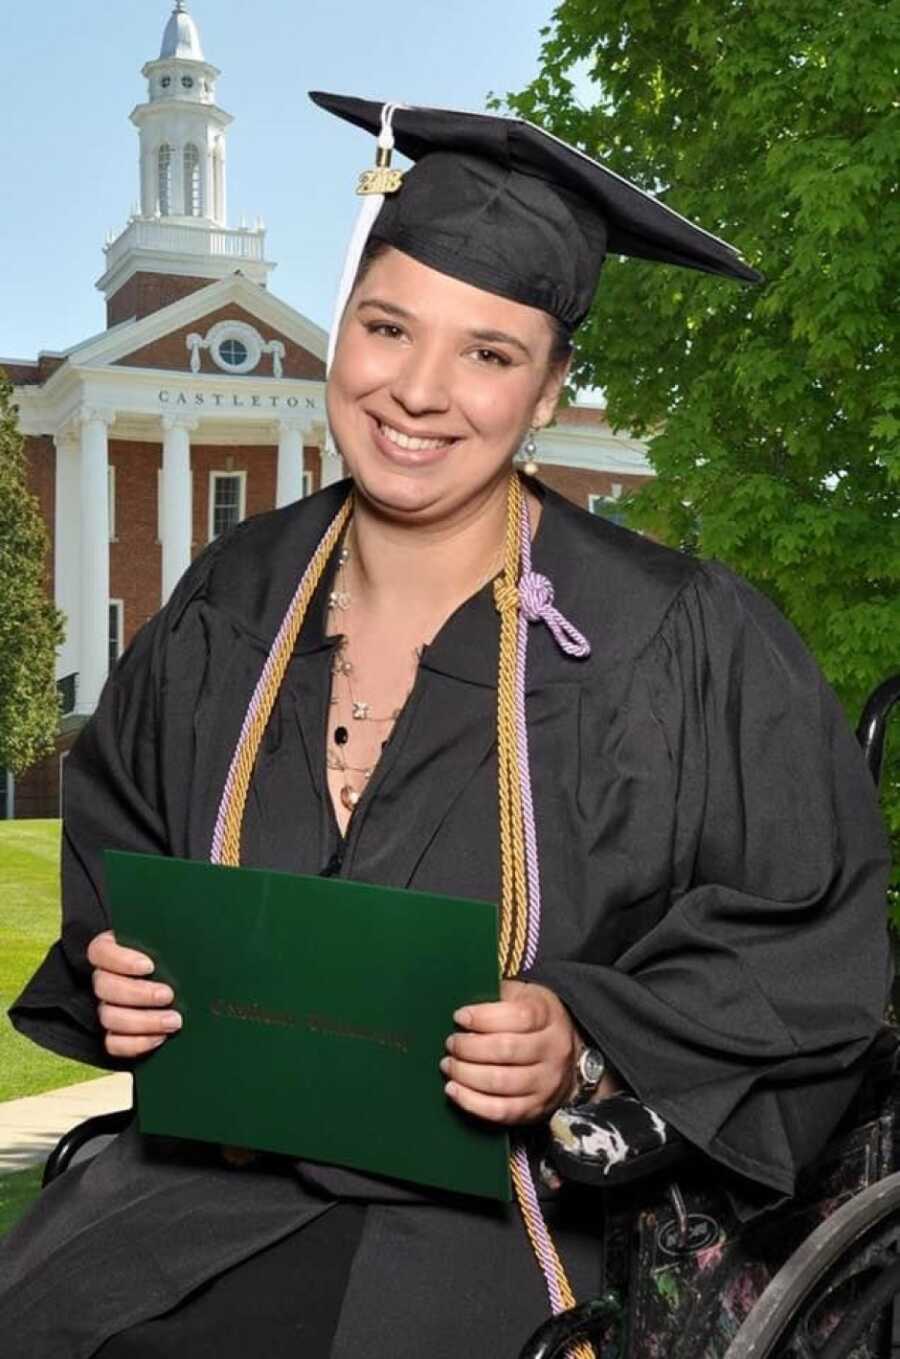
column 383, row 179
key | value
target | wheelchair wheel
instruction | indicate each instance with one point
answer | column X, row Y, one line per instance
column 830, row 1300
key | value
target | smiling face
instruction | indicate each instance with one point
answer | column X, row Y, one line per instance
column 433, row 387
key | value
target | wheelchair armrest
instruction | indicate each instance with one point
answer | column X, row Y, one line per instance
column 612, row 1142
column 102, row 1125
column 591, row 1320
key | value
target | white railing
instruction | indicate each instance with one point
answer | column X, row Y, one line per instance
column 246, row 243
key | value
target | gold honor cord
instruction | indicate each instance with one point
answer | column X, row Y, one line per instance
column 514, row 905
column 237, row 787
column 513, row 889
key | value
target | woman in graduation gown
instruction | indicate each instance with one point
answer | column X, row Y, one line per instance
column 708, row 853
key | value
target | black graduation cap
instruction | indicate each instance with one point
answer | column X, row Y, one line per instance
column 504, row 205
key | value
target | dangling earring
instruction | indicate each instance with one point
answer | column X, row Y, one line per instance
column 529, row 453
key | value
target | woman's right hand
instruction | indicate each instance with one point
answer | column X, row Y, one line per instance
column 129, row 1004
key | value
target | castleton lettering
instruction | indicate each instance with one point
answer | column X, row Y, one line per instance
column 251, row 400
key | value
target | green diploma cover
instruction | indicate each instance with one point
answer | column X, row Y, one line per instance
column 315, row 1015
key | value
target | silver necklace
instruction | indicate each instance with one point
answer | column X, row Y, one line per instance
column 336, row 756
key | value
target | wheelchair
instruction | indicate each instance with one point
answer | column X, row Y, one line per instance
column 688, row 1274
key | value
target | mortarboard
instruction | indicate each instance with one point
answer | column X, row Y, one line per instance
column 503, row 205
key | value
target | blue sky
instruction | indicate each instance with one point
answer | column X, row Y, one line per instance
column 70, row 75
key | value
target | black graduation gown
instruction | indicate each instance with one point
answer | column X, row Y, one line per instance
column 713, row 867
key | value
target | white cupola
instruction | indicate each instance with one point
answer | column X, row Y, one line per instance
column 181, row 226
column 182, row 129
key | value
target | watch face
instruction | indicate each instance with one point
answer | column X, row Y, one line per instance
column 592, row 1065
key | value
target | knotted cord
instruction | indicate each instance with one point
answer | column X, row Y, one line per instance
column 521, row 596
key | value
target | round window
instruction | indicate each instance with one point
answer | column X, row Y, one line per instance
column 187, row 82
column 233, row 352
column 166, row 82
column 234, row 346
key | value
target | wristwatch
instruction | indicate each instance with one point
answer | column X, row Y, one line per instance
column 590, row 1067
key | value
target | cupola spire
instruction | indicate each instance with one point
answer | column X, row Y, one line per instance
column 182, row 225
column 181, row 37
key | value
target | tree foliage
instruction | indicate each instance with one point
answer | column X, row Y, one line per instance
column 772, row 414
column 31, row 627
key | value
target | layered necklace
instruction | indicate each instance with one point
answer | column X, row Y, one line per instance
column 522, row 596
column 339, row 752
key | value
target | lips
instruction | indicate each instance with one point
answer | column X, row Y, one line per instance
column 413, row 442
column 407, row 450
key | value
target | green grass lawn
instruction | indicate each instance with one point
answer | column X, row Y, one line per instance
column 29, row 923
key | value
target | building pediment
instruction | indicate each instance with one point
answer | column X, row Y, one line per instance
column 176, row 358
column 160, row 341
column 230, row 341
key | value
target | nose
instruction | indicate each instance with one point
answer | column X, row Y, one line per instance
column 420, row 384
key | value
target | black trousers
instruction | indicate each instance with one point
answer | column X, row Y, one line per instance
column 284, row 1302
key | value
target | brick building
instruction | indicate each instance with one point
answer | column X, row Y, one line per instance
column 202, row 402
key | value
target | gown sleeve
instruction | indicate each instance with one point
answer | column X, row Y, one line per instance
column 743, row 1015
column 113, row 798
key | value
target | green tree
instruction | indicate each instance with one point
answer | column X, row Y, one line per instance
column 31, row 628
column 772, row 414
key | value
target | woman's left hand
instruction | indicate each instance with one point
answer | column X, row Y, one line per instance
column 514, row 1059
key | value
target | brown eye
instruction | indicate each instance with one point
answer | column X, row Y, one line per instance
column 380, row 327
column 491, row 356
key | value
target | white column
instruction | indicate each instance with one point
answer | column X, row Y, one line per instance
column 67, row 546
column 222, row 195
column 93, row 661
column 177, row 512
column 289, row 484
column 208, row 190
column 332, row 462
column 149, row 185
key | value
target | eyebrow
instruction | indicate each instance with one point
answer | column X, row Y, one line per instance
column 492, row 336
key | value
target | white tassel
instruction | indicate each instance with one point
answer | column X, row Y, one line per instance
column 369, row 210
column 365, row 220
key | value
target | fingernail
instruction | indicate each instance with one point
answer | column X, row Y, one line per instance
column 444, row 1064
column 463, row 1017
column 172, row 1021
column 450, row 1089
column 450, row 1043
column 145, row 964
column 157, row 1041
column 164, row 995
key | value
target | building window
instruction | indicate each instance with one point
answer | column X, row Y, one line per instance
column 116, row 625
column 164, row 193
column 66, row 688
column 610, row 507
column 227, row 501
column 235, row 347
column 111, row 492
column 191, row 180
column 233, row 352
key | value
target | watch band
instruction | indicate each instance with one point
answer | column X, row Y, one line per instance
column 590, row 1067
